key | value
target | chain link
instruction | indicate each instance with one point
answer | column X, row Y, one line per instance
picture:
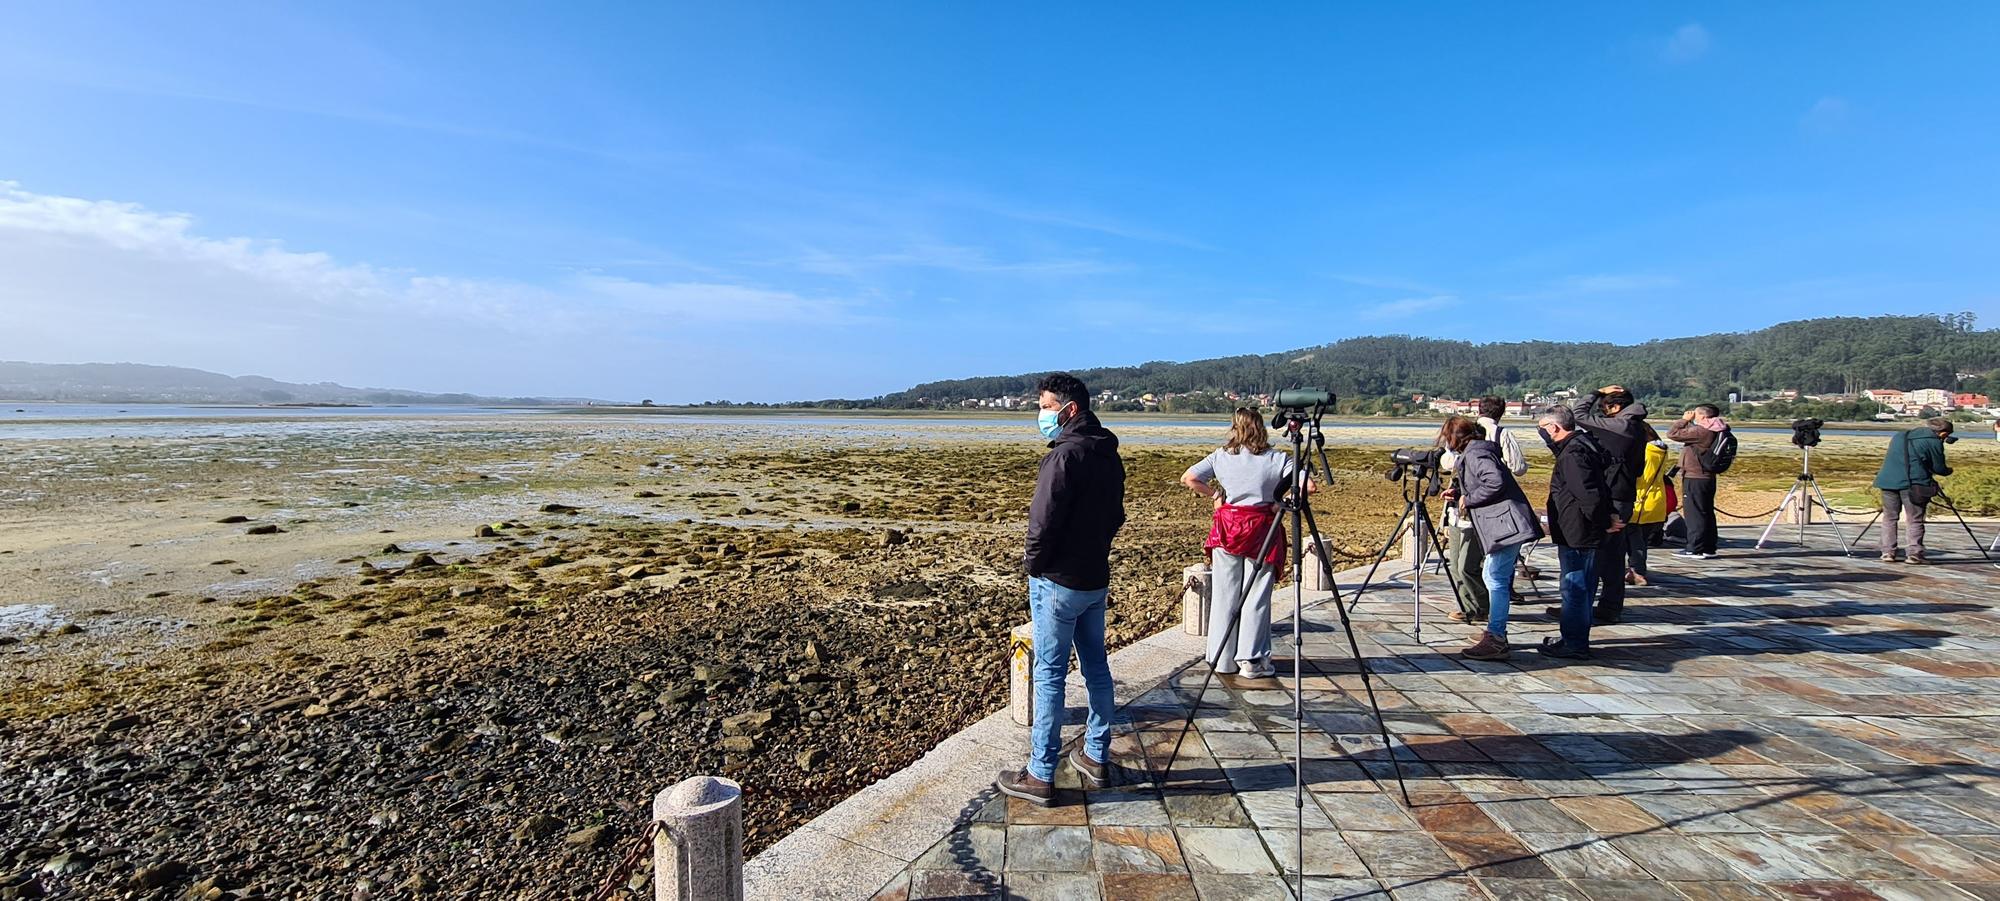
column 622, row 874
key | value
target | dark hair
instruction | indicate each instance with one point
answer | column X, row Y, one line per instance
column 1708, row 409
column 1940, row 424
column 1460, row 431
column 1618, row 399
column 1493, row 407
column 1066, row 386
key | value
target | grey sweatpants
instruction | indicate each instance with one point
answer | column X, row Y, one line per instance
column 1898, row 505
column 1253, row 629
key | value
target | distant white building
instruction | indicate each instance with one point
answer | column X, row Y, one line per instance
column 1888, row 397
column 1928, row 397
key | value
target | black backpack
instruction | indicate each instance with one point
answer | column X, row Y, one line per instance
column 1721, row 453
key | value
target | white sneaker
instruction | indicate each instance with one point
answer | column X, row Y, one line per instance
column 1259, row 669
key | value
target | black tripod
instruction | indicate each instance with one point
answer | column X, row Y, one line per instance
column 1799, row 502
column 1299, row 414
column 1421, row 478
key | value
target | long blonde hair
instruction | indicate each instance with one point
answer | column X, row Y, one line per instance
column 1246, row 430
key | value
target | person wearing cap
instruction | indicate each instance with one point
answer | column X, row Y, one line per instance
column 1908, row 482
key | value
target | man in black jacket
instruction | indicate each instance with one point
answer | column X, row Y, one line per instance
column 1618, row 424
column 1580, row 515
column 1078, row 508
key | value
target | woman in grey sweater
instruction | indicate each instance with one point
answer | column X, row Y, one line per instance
column 1486, row 494
column 1252, row 476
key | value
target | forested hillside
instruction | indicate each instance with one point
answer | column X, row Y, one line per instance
column 1815, row 356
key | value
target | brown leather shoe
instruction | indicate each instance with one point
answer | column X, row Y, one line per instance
column 1091, row 773
column 1486, row 648
column 1021, row 784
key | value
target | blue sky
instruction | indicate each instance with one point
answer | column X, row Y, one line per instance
column 763, row 201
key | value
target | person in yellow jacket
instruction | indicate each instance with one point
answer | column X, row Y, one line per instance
column 1649, row 509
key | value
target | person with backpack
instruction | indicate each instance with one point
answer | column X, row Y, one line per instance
column 1708, row 448
column 1908, row 482
column 1465, row 554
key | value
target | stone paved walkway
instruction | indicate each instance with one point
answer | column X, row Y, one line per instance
column 1782, row 723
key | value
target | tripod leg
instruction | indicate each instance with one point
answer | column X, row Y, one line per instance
column 1361, row 667
column 1832, row 520
column 1860, row 538
column 1953, row 507
column 1397, row 532
column 1777, row 515
column 1227, row 645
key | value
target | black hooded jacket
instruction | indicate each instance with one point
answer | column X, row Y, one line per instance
column 1079, row 506
column 1579, row 494
column 1623, row 438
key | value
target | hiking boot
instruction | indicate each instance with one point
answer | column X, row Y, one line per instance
column 1488, row 647
column 1603, row 618
column 1022, row 784
column 1091, row 773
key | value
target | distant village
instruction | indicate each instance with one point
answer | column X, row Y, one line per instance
column 1893, row 403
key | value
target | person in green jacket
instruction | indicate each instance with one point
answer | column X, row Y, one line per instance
column 1908, row 482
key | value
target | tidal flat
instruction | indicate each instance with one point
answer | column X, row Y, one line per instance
column 301, row 659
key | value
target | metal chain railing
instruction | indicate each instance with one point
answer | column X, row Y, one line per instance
column 621, row 874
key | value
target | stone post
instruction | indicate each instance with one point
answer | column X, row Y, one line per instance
column 1416, row 537
column 1196, row 596
column 698, row 853
column 1021, row 674
column 1313, row 573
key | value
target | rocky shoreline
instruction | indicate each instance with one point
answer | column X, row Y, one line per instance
column 490, row 718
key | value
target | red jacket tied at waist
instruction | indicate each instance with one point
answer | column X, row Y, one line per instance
column 1239, row 530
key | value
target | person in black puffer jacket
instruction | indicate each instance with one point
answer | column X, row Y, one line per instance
column 1581, row 515
column 1617, row 423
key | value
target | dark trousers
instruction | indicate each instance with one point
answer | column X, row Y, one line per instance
column 1642, row 537
column 1611, row 565
column 1698, row 507
column 1579, row 570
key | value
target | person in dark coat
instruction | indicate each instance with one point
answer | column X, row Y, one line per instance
column 1485, row 493
column 1581, row 515
column 1617, row 423
column 1908, row 483
column 1079, row 506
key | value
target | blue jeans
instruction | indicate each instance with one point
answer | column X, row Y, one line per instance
column 1065, row 618
column 1579, row 593
column 1498, row 573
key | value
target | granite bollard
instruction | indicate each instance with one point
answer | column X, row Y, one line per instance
column 698, row 852
column 1021, row 674
column 1197, row 594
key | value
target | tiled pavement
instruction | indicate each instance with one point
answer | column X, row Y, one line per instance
column 1784, row 723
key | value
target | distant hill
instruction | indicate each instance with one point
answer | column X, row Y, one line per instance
column 1814, row 356
column 128, row 383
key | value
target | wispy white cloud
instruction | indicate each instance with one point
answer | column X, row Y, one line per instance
column 1604, row 284
column 1389, row 283
column 949, row 257
column 1403, row 308
column 1827, row 116
column 1688, row 43
column 106, row 280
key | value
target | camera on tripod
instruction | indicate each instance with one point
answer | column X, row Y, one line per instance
column 1805, row 432
column 1418, row 461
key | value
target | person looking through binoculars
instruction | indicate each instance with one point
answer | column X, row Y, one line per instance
column 1250, row 477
